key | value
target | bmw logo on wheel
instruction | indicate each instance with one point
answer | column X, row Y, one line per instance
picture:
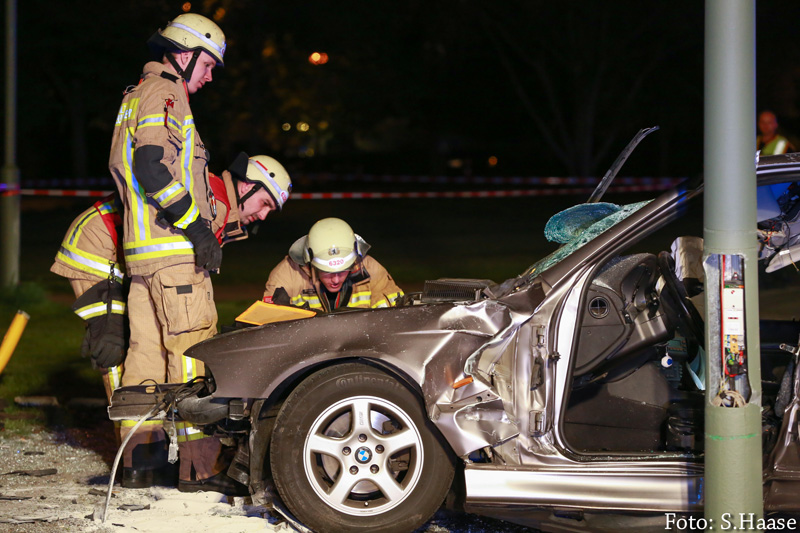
column 363, row 455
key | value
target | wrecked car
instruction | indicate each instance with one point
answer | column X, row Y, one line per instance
column 569, row 397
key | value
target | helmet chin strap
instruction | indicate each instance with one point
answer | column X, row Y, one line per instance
column 254, row 189
column 186, row 73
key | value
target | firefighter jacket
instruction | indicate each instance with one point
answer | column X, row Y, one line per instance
column 89, row 250
column 156, row 113
column 370, row 283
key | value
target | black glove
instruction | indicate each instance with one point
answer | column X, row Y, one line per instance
column 281, row 297
column 207, row 251
column 105, row 341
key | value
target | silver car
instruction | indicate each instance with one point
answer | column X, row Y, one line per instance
column 569, row 398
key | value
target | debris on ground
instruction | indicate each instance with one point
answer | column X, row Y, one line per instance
column 63, row 488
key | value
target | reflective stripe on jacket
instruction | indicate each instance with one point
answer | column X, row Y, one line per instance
column 89, row 249
column 157, row 113
column 778, row 145
column 372, row 285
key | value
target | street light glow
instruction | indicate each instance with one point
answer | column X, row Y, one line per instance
column 318, row 58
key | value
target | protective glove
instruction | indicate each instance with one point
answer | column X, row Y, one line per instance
column 105, row 341
column 281, row 297
column 207, row 251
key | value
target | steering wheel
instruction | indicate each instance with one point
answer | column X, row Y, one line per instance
column 689, row 321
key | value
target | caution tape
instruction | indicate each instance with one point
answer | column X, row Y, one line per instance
column 302, row 177
column 564, row 191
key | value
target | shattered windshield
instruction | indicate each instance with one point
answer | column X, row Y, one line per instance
column 578, row 225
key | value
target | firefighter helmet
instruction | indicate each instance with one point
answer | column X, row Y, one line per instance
column 272, row 176
column 191, row 31
column 263, row 171
column 331, row 245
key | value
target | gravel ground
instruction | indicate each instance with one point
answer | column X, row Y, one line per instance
column 57, row 481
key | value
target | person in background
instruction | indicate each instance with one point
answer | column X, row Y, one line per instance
column 768, row 140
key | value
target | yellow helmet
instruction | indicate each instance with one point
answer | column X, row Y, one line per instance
column 191, row 31
column 331, row 245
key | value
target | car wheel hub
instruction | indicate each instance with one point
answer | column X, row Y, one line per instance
column 363, row 455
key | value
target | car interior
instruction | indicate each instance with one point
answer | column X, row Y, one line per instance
column 637, row 385
column 625, row 396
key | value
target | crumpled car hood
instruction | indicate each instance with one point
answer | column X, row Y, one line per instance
column 251, row 363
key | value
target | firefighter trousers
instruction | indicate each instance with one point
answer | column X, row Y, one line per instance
column 169, row 311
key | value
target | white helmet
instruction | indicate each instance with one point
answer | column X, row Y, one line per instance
column 264, row 171
column 331, row 245
column 191, row 31
column 268, row 172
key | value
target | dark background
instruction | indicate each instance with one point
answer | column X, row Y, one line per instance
column 415, row 87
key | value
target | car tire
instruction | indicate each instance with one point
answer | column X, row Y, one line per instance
column 337, row 472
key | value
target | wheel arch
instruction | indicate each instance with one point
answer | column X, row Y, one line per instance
column 263, row 421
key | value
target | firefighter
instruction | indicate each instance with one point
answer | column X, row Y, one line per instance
column 244, row 194
column 329, row 269
column 89, row 259
column 159, row 163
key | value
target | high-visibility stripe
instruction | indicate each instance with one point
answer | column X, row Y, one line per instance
column 100, row 308
column 76, row 232
column 115, row 376
column 780, row 147
column 360, row 299
column 190, row 216
column 130, row 423
column 169, row 192
column 173, row 123
column 141, row 231
column 311, row 300
column 389, row 301
column 150, row 120
column 83, row 260
column 157, row 250
column 90, row 263
column 189, row 134
column 189, row 368
column 186, row 432
column 106, row 208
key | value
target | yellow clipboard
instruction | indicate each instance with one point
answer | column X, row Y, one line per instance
column 263, row 313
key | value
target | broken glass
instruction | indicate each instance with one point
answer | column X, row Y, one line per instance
column 578, row 225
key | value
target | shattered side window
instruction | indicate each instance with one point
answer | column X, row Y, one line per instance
column 578, row 225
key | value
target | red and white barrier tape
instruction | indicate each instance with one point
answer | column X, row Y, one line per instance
column 301, row 177
column 378, row 195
